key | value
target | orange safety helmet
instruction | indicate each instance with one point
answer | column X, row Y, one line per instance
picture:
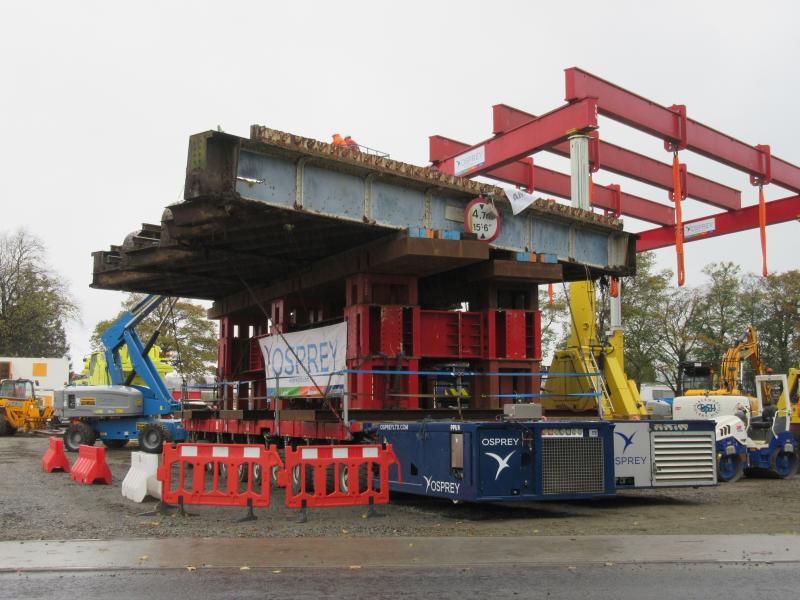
column 337, row 139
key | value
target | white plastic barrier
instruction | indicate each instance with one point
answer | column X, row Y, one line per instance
column 141, row 479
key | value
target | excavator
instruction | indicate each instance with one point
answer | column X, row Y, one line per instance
column 730, row 379
column 598, row 381
column 753, row 425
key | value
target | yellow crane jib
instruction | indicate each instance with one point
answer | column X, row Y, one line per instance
column 604, row 385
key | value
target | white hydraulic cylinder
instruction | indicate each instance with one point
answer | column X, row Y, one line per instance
column 579, row 176
column 616, row 311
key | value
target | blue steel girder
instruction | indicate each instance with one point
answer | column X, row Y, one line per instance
column 314, row 178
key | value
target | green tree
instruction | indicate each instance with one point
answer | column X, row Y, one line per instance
column 185, row 334
column 555, row 319
column 35, row 303
column 676, row 318
column 723, row 314
column 643, row 296
column 778, row 320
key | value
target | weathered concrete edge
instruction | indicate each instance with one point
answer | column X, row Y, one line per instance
column 284, row 553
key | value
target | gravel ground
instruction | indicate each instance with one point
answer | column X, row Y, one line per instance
column 37, row 505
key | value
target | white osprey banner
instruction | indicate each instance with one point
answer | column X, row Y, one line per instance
column 292, row 360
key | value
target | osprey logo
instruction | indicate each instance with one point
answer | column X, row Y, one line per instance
column 502, row 463
column 433, row 485
column 628, row 439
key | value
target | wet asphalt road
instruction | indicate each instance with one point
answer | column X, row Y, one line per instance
column 618, row 582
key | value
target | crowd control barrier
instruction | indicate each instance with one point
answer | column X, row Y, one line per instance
column 91, row 466
column 55, row 457
column 217, row 475
column 338, row 475
column 141, row 480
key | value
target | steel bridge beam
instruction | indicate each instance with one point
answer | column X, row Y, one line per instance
column 662, row 122
column 558, row 184
column 320, row 181
column 624, row 162
column 778, row 211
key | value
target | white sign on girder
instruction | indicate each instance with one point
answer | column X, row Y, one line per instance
column 469, row 161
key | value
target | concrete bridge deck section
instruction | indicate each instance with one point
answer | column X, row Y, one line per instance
column 270, row 207
column 398, row 552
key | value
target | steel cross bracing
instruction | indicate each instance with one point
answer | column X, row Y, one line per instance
column 517, row 135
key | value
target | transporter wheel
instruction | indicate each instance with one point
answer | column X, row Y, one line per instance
column 296, row 479
column 784, row 464
column 730, row 468
column 344, row 484
column 79, row 434
column 114, row 443
column 152, row 438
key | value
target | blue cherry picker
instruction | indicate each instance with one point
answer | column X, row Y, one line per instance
column 123, row 411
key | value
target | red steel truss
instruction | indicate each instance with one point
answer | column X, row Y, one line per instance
column 518, row 134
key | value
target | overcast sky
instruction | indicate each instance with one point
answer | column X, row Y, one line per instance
column 98, row 99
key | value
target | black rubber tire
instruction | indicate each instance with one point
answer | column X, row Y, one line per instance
column 152, row 438
column 343, row 479
column 111, row 444
column 728, row 475
column 77, row 435
column 5, row 426
column 790, row 458
column 294, row 479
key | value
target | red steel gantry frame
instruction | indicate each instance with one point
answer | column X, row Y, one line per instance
column 517, row 135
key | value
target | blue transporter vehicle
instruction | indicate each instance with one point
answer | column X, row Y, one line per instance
column 655, row 454
column 122, row 411
column 503, row 460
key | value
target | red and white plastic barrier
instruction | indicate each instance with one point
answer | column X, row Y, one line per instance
column 342, row 475
column 217, row 474
column 91, row 466
column 55, row 458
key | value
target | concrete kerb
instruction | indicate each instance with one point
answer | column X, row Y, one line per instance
column 397, row 552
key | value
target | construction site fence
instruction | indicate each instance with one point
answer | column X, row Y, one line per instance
column 218, row 474
column 346, row 475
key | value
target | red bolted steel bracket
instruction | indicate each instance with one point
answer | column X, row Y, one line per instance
column 766, row 166
column 679, row 140
column 616, row 191
column 530, row 170
column 594, row 151
column 684, row 191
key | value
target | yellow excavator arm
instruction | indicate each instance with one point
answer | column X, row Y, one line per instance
column 746, row 349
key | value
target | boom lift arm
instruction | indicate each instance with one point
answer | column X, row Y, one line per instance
column 123, row 333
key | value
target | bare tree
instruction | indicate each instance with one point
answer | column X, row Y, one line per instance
column 35, row 303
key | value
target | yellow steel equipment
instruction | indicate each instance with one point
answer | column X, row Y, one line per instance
column 605, row 387
column 96, row 371
column 20, row 409
column 729, row 379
